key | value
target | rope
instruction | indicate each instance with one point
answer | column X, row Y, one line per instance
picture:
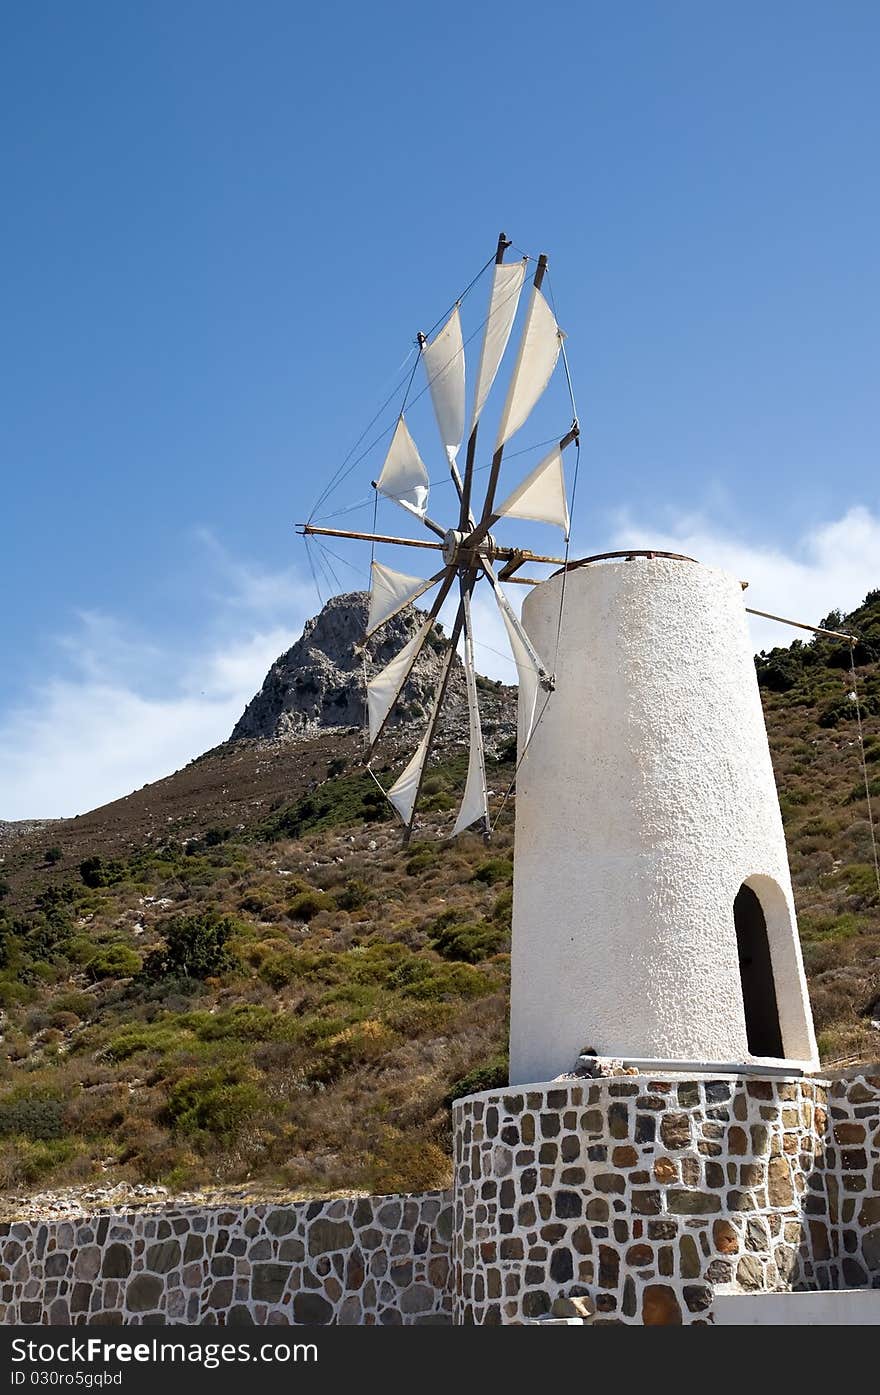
column 338, row 476
column 327, row 568
column 312, row 569
column 855, row 689
column 337, row 557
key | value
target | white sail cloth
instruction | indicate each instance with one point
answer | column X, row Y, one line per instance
column 507, row 284
column 404, row 477
column 538, row 352
column 384, row 689
column 541, row 496
column 391, row 591
column 444, row 365
column 475, row 803
column 403, row 792
column 529, row 682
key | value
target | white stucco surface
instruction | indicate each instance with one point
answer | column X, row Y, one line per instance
column 857, row 1307
column 645, row 800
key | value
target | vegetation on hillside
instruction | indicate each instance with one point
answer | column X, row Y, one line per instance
column 812, row 720
column 295, row 999
column 296, row 1002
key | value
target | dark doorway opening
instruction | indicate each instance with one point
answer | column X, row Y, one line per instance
column 756, row 975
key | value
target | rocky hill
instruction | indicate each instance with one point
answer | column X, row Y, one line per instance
column 319, row 682
column 237, row 975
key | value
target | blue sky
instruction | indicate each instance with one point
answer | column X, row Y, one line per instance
column 223, row 224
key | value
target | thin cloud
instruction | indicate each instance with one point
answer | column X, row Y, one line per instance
column 832, row 567
column 123, row 708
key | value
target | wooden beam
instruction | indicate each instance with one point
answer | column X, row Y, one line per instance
column 799, row 625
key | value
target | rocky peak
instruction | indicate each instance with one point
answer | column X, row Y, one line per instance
column 319, row 682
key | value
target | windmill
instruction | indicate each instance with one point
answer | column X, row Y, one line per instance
column 468, row 549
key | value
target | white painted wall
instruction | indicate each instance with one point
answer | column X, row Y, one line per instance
column 645, row 800
column 843, row 1308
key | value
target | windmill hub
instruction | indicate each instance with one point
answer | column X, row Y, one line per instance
column 457, row 551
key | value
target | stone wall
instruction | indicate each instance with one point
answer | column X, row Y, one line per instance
column 357, row 1260
column 651, row 1194
column 842, row 1205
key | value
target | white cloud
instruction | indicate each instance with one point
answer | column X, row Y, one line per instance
column 124, row 709
column 832, row 567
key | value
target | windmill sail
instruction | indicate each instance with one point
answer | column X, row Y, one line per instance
column 405, row 790
column 384, row 689
column 444, row 365
column 530, row 671
column 507, row 284
column 529, row 680
column 475, row 804
column 538, row 352
column 404, row 477
column 392, row 591
column 541, row 496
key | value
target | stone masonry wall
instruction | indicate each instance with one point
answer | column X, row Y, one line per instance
column 362, row 1260
column 842, row 1204
column 649, row 1194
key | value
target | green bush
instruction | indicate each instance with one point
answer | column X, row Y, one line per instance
column 96, row 872
column 256, row 901
column 421, row 861
column 114, row 961
column 468, row 942
column 503, row 908
column 82, row 1005
column 195, row 947
column 425, row 979
column 53, row 855
column 496, row 869
column 353, row 895
column 215, row 1102
column 33, row 1116
column 159, row 1037
column 308, row 904
column 831, row 927
column 298, row 964
column 243, row 1022
column 494, row 1075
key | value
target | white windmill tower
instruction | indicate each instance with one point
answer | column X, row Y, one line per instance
column 653, row 916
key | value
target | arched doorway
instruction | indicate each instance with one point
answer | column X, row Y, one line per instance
column 756, row 976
